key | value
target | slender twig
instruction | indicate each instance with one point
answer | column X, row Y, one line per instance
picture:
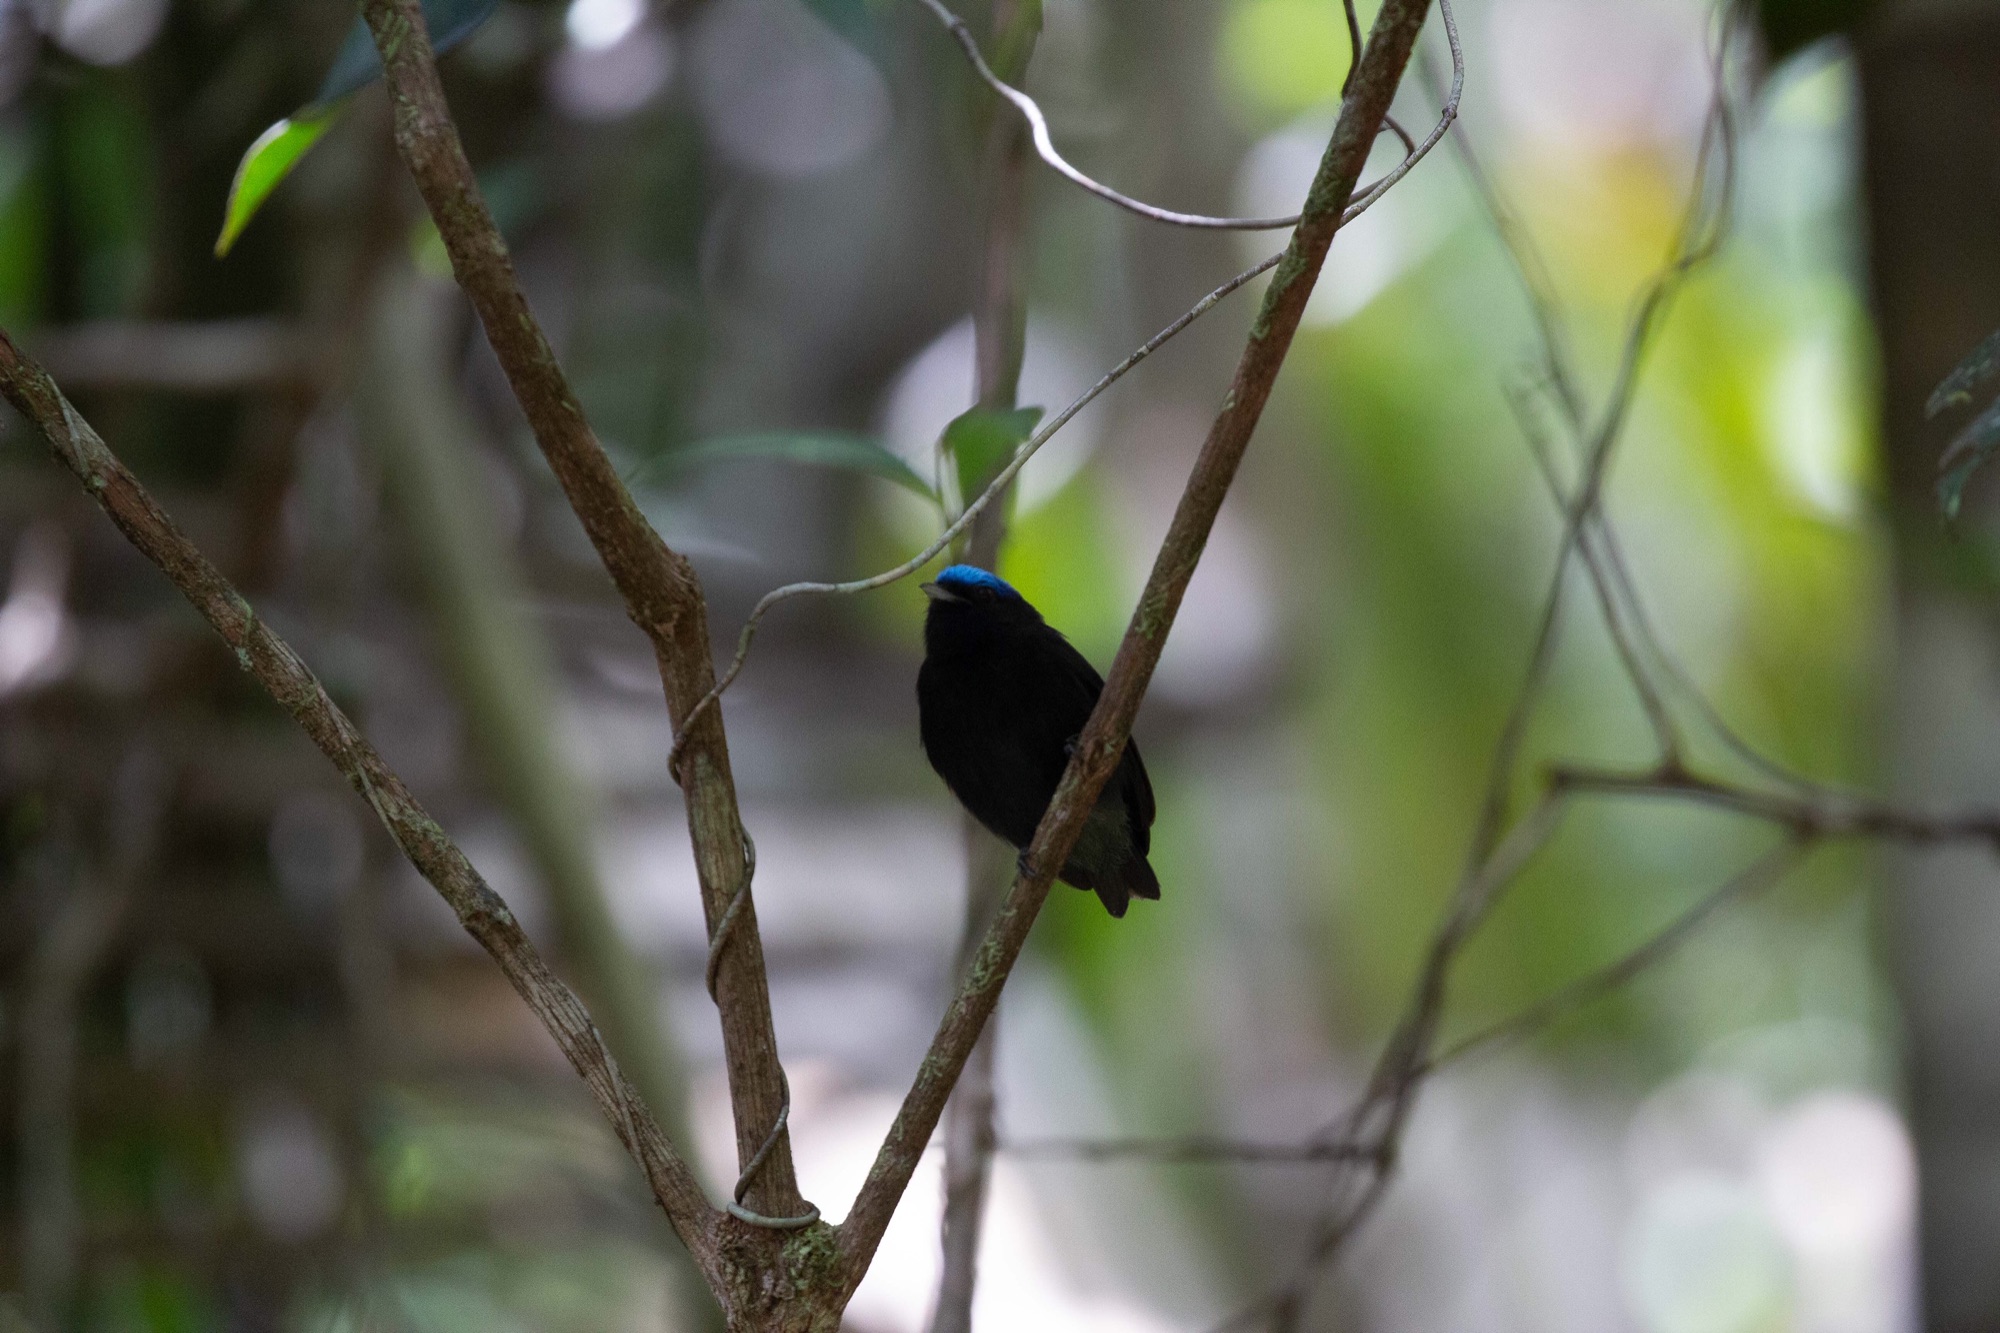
column 1102, row 742
column 1363, row 1143
column 1805, row 824
column 1378, row 1119
column 1611, row 606
column 1821, row 815
column 1600, row 550
column 661, row 593
column 1045, row 146
column 1761, row 874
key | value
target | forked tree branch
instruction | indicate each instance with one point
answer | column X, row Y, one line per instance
column 807, row 1284
column 661, row 593
column 1376, row 78
column 287, row 679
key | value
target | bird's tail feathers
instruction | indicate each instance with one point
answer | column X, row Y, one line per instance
column 1135, row 879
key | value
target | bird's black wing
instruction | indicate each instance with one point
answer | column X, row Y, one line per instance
column 1138, row 796
column 1132, row 783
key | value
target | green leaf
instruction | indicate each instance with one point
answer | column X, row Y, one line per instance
column 852, row 453
column 266, row 163
column 1974, row 445
column 358, row 63
column 277, row 150
column 1978, row 366
column 981, row 441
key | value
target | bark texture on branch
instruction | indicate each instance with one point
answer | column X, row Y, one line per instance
column 1098, row 750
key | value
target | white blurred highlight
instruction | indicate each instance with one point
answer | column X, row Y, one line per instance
column 1591, row 77
column 779, row 92
column 291, row 1179
column 1812, row 426
column 36, row 640
column 1702, row 1257
column 1372, row 251
column 593, row 25
column 1752, row 1216
column 1225, row 637
column 1838, row 1175
column 937, row 386
column 104, row 32
column 611, row 77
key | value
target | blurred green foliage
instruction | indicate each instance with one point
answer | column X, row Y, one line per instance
column 1741, row 491
column 1409, row 548
column 1276, row 58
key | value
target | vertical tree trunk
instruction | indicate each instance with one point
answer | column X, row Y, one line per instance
column 1931, row 94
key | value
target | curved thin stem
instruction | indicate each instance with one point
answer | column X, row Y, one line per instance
column 1045, row 148
column 966, row 516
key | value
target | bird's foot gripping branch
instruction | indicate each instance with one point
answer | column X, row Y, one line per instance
column 766, row 1277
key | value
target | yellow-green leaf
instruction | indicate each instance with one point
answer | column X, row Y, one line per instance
column 981, row 442
column 267, row 162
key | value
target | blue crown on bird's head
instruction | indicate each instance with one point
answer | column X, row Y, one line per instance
column 968, row 577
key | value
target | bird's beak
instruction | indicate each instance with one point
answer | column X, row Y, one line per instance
column 939, row 593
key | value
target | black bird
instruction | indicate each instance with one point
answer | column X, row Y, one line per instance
column 1001, row 699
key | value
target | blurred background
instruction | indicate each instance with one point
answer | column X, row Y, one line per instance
column 255, row 1076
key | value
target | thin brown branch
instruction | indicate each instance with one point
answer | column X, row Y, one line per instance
column 287, row 679
column 1611, row 606
column 1377, row 1122
column 1599, row 548
column 1820, row 814
column 661, row 593
column 1103, row 740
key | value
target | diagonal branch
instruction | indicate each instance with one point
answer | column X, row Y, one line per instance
column 1103, row 740
column 661, row 593
column 280, row 671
